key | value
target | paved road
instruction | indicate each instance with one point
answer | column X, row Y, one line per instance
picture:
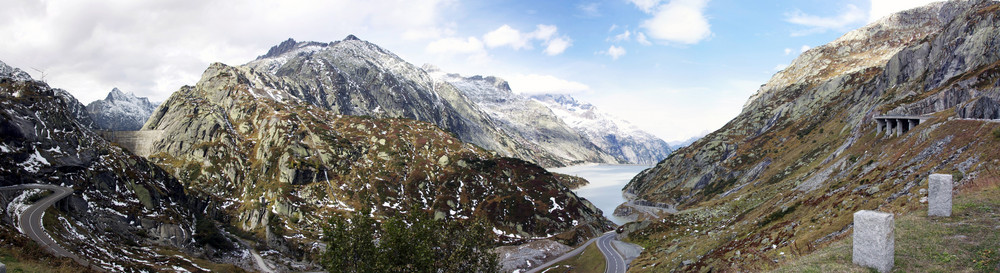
column 615, row 261
column 30, row 221
column 567, row 255
column 604, row 244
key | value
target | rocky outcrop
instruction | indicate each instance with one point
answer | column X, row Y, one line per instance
column 120, row 111
column 979, row 108
column 612, row 135
column 785, row 175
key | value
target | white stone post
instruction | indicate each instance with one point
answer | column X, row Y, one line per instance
column 939, row 195
column 874, row 240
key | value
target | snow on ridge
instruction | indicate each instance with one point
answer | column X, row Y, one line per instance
column 586, row 116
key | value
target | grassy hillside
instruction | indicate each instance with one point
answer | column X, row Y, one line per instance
column 966, row 242
column 589, row 261
column 759, row 228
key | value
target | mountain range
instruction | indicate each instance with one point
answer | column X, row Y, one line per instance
column 267, row 154
column 558, row 125
column 613, row 135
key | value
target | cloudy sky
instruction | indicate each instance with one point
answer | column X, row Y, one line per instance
column 677, row 68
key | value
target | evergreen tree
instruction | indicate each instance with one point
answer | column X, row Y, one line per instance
column 351, row 244
column 407, row 242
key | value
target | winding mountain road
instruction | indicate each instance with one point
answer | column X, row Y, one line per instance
column 615, row 261
column 30, row 221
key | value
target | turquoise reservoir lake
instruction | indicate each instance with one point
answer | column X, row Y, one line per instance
column 606, row 183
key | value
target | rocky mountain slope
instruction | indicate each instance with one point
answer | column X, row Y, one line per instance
column 120, row 111
column 784, row 177
column 525, row 118
column 613, row 135
column 358, row 78
column 279, row 156
column 124, row 210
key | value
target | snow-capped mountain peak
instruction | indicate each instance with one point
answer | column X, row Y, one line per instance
column 120, row 111
column 615, row 136
column 558, row 124
column 14, row 73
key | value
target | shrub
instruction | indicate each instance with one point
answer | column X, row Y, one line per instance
column 411, row 242
column 778, row 214
column 957, row 175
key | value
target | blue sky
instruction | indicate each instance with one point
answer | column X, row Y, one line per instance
column 676, row 68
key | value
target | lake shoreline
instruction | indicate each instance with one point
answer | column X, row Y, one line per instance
column 602, row 178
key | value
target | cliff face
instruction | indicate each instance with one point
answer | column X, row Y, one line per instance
column 123, row 206
column 280, row 161
column 785, row 175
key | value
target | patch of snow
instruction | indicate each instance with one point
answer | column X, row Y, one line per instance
column 18, row 205
column 555, row 206
column 34, row 162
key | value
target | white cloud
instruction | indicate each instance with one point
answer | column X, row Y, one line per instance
column 154, row 47
column 548, row 35
column 881, row 8
column 470, row 45
column 641, row 38
column 788, row 51
column 556, row 46
column 680, row 21
column 544, row 32
column 615, row 52
column 624, row 36
column 590, row 9
column 646, row 5
column 819, row 24
column 506, row 36
column 804, row 48
column 543, row 84
column 471, row 49
column 780, row 67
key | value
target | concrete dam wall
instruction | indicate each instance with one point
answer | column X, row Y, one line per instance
column 138, row 142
